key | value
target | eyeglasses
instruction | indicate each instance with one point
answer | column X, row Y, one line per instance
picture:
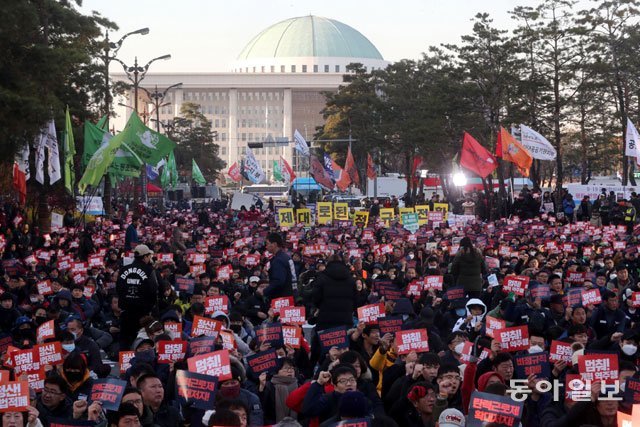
column 133, row 401
column 344, row 381
column 287, row 368
column 53, row 392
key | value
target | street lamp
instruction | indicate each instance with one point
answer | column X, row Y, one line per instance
column 157, row 98
column 110, row 51
column 136, row 74
column 459, row 179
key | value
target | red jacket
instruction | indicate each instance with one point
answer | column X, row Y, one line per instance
column 296, row 397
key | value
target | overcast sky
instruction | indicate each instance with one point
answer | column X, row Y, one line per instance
column 207, row 35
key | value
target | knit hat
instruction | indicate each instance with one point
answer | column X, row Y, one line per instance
column 483, row 380
column 353, row 404
column 451, row 418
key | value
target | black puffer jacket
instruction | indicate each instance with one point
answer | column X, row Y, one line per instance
column 334, row 294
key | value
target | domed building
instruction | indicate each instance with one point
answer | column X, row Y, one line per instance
column 275, row 86
column 307, row 44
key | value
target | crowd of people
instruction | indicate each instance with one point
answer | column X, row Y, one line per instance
column 321, row 324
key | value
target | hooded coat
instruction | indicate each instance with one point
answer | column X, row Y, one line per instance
column 469, row 326
column 334, row 294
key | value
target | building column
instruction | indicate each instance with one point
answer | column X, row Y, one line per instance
column 232, row 129
column 287, row 122
column 177, row 101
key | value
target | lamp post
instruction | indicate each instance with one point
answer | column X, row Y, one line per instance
column 136, row 74
column 157, row 97
column 110, row 51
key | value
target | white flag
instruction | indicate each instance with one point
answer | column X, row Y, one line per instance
column 539, row 147
column 22, row 159
column 252, row 168
column 631, row 142
column 301, row 143
column 48, row 141
column 55, row 173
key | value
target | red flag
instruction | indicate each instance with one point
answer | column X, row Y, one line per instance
column 287, row 170
column 319, row 173
column 342, row 179
column 234, row 172
column 417, row 161
column 350, row 168
column 20, row 183
column 371, row 170
column 499, row 146
column 476, row 158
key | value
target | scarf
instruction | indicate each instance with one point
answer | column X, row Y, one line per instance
column 283, row 386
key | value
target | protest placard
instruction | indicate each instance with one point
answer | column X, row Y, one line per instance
column 490, row 409
column 278, row 303
column 292, row 336
column 205, row 326
column 333, row 337
column 219, row 303
column 269, row 333
column 196, row 390
column 560, row 351
column 171, row 351
column 390, row 324
column 216, row 364
column 412, row 340
column 532, row 364
column 14, row 396
column 598, row 367
column 107, row 391
column 516, row 284
column 513, row 339
column 292, row 315
column 264, row 361
column 369, row 313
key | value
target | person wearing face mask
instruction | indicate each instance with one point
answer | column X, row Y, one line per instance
column 624, row 343
column 471, row 322
column 77, row 376
column 233, row 389
column 87, row 347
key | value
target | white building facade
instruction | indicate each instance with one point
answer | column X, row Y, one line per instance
column 277, row 86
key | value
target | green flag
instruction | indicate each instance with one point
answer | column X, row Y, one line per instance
column 165, row 176
column 100, row 162
column 277, row 171
column 173, row 170
column 124, row 163
column 147, row 144
column 102, row 123
column 69, row 152
column 196, row 175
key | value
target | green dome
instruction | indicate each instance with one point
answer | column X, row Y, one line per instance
column 309, row 36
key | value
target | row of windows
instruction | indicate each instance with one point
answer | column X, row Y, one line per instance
column 200, row 96
column 258, row 96
column 293, row 69
column 257, row 110
column 257, row 124
column 270, row 151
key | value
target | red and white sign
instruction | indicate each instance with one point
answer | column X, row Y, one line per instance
column 165, row 258
column 15, row 396
column 174, row 327
column 292, row 336
column 369, row 313
column 414, row 288
column 50, row 353
column 292, row 315
column 197, row 269
column 124, row 358
column 252, row 260
column 96, row 261
column 513, row 339
column 493, row 324
column 278, row 303
column 576, row 276
column 433, row 282
column 216, row 364
column 197, row 258
column 619, row 246
column 516, row 284
column 219, row 303
column 205, row 326
column 171, row 351
column 88, row 291
column 26, row 361
column 598, row 367
column 224, row 272
column 592, row 296
column 412, row 340
column 228, row 340
column 44, row 288
column 635, row 299
column 560, row 351
column 46, row 331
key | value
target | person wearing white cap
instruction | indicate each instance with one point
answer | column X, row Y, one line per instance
column 137, row 290
column 451, row 418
